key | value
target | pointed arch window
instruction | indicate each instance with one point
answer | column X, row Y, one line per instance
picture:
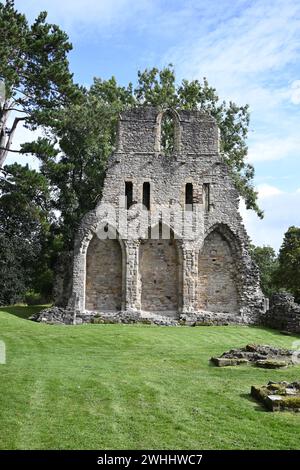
column 167, row 138
column 168, row 132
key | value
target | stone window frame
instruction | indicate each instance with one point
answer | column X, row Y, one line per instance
column 150, row 193
column 128, row 181
column 177, row 130
column 189, row 206
column 197, row 195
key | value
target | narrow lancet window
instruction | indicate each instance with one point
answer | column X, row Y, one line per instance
column 146, row 195
column 128, row 194
column 189, row 197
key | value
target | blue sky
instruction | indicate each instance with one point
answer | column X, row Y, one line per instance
column 248, row 50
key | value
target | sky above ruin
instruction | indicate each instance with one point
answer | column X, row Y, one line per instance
column 248, row 50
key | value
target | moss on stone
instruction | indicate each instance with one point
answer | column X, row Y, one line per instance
column 292, row 402
column 278, row 396
column 271, row 364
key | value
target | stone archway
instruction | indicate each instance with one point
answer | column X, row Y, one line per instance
column 160, row 276
column 103, row 275
column 217, row 275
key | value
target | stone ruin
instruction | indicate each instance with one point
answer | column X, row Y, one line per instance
column 278, row 396
column 267, row 357
column 283, row 314
column 275, row 396
column 166, row 243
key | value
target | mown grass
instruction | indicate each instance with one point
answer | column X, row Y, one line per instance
column 134, row 387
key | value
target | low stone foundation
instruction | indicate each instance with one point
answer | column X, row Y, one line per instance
column 267, row 357
column 205, row 318
column 54, row 315
column 283, row 314
column 278, row 396
column 59, row 315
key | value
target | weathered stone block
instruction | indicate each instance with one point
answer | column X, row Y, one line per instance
column 267, row 357
column 283, row 313
column 278, row 396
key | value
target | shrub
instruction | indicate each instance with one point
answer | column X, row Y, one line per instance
column 34, row 298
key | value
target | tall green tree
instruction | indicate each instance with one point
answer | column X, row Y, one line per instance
column 74, row 160
column 266, row 260
column 25, row 234
column 35, row 81
column 287, row 275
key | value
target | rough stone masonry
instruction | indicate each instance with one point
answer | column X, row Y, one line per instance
column 131, row 258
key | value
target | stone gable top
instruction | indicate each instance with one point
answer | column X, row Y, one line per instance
column 139, row 131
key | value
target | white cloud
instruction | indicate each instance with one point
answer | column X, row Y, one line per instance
column 295, row 92
column 266, row 190
column 281, row 211
column 268, row 147
column 86, row 16
column 263, row 36
column 250, row 57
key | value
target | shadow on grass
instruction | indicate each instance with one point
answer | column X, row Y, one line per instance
column 22, row 311
column 276, row 331
column 258, row 406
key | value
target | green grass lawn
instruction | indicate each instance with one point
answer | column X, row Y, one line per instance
column 134, row 387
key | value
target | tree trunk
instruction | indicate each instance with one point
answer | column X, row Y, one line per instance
column 6, row 140
column 4, row 115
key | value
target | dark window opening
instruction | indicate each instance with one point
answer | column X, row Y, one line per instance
column 167, row 138
column 206, row 195
column 146, row 195
column 189, row 196
column 128, row 194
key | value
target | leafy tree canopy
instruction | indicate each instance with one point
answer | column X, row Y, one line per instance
column 266, row 260
column 27, row 239
column 34, row 73
column 287, row 275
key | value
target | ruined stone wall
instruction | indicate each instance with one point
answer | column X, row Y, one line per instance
column 283, row 314
column 218, row 276
column 233, row 286
column 104, row 275
column 159, row 276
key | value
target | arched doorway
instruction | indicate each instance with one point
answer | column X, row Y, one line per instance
column 103, row 275
column 217, row 275
column 160, row 276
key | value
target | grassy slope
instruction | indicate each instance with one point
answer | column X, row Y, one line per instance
column 127, row 386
